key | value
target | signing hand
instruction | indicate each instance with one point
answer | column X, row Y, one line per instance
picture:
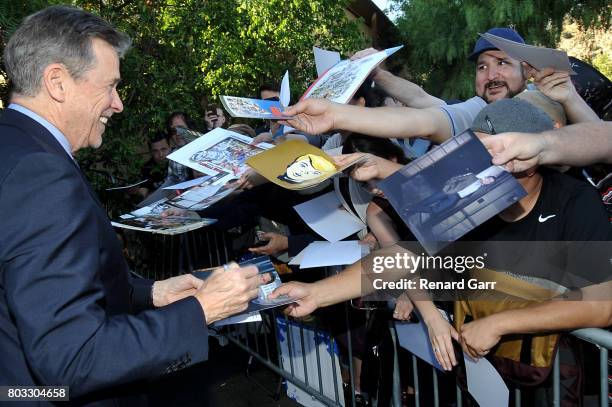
column 312, row 116
column 441, row 334
column 175, row 288
column 276, row 243
column 228, row 292
column 303, row 294
column 479, row 336
column 517, row 152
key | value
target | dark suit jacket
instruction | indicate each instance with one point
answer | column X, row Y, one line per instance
column 69, row 314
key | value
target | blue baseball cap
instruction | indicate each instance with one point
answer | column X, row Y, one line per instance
column 483, row 45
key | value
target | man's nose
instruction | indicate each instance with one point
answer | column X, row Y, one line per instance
column 117, row 104
column 492, row 73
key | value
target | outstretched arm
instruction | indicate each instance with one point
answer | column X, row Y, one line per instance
column 316, row 116
column 576, row 145
column 402, row 90
column 479, row 336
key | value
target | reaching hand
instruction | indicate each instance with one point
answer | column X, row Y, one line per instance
column 276, row 244
column 364, row 53
column 250, row 179
column 312, row 116
column 303, row 294
column 175, row 288
column 554, row 84
column 517, row 152
column 479, row 336
column 441, row 334
column 228, row 291
column 370, row 240
column 265, row 137
column 403, row 308
column 371, row 167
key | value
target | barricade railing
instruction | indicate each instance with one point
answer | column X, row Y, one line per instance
column 173, row 255
column 292, row 349
column 600, row 338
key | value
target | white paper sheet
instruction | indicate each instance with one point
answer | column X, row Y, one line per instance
column 538, row 57
column 326, row 216
column 297, row 259
column 190, row 183
column 325, row 59
column 239, row 319
column 323, row 254
column 485, row 384
column 285, row 91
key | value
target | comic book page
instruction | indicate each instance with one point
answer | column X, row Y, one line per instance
column 220, row 151
column 253, row 108
column 149, row 219
column 341, row 81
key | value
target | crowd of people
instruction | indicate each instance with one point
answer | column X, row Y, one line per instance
column 71, row 314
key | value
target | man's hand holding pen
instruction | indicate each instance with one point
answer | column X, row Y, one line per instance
column 228, row 290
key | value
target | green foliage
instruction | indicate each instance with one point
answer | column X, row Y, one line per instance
column 603, row 63
column 186, row 52
column 442, row 33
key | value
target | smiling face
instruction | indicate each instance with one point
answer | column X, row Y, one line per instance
column 92, row 99
column 498, row 76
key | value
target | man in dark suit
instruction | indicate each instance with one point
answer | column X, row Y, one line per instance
column 69, row 313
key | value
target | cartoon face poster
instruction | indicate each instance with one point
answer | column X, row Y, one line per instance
column 295, row 165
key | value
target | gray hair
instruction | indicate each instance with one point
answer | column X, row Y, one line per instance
column 57, row 34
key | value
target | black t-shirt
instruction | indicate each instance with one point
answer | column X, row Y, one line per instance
column 552, row 239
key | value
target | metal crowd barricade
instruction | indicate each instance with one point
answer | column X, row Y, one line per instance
column 294, row 363
column 168, row 256
column 301, row 352
column 600, row 338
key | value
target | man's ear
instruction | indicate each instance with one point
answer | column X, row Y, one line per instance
column 55, row 81
column 558, row 125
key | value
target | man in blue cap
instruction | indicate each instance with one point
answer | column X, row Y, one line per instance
column 497, row 75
